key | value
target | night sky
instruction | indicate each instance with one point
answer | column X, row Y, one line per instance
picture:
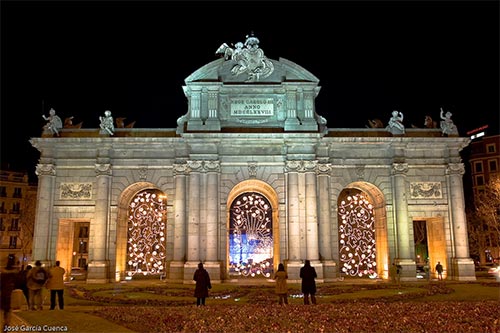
column 82, row 58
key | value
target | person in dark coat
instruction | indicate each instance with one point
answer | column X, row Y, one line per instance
column 202, row 284
column 308, row 274
column 23, row 283
column 8, row 277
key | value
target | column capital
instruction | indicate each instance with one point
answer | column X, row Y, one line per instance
column 195, row 166
column 301, row 165
column 324, row 169
column 45, row 170
column 211, row 166
column 103, row 169
column 455, row 169
column 399, row 168
column 180, row 168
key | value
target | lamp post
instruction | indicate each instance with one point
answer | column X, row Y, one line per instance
column 74, row 258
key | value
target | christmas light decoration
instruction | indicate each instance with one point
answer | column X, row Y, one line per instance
column 357, row 237
column 250, row 237
column 146, row 234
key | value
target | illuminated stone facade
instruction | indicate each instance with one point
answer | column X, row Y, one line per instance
column 251, row 178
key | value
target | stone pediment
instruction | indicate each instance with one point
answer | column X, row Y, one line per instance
column 245, row 89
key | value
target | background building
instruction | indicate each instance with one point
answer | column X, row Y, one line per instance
column 17, row 216
column 484, row 163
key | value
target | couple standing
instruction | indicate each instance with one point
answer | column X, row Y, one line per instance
column 308, row 286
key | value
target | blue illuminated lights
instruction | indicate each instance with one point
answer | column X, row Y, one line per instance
column 146, row 234
column 250, row 237
column 357, row 236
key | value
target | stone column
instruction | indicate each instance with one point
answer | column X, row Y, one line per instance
column 212, row 217
column 42, row 245
column 180, row 203
column 98, row 265
column 312, row 251
column 194, row 121
column 324, row 222
column 462, row 265
column 193, row 225
column 403, row 253
column 294, row 259
column 212, row 123
column 291, row 122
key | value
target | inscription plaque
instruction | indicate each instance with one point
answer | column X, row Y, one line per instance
column 252, row 107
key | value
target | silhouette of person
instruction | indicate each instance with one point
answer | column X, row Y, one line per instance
column 308, row 274
column 8, row 276
column 439, row 270
column 281, row 284
column 55, row 284
column 23, row 283
column 202, row 279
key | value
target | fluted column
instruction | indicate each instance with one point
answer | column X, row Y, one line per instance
column 193, row 227
column 180, row 212
column 454, row 174
column 312, row 251
column 325, row 248
column 42, row 246
column 212, row 216
column 462, row 267
column 403, row 234
column 293, row 211
column 98, row 265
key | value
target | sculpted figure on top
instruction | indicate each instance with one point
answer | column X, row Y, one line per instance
column 396, row 125
column 248, row 58
column 446, row 124
column 54, row 123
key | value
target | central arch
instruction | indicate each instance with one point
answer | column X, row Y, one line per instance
column 264, row 202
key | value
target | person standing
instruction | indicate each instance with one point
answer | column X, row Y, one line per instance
column 37, row 277
column 202, row 279
column 23, row 283
column 439, row 270
column 308, row 274
column 281, row 284
column 8, row 276
column 55, row 284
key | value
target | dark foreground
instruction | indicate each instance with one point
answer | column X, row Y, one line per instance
column 154, row 306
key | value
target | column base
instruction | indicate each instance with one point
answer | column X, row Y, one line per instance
column 214, row 270
column 462, row 269
column 330, row 270
column 97, row 272
column 189, row 268
column 176, row 271
column 409, row 272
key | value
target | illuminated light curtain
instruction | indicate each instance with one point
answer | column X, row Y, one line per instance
column 250, row 237
column 357, row 236
column 146, row 233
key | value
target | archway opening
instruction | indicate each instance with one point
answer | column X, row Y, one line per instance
column 251, row 245
column 146, row 233
column 357, row 251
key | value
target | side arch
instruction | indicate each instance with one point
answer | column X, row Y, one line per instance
column 122, row 224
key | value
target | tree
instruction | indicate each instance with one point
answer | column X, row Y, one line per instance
column 485, row 220
column 27, row 223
